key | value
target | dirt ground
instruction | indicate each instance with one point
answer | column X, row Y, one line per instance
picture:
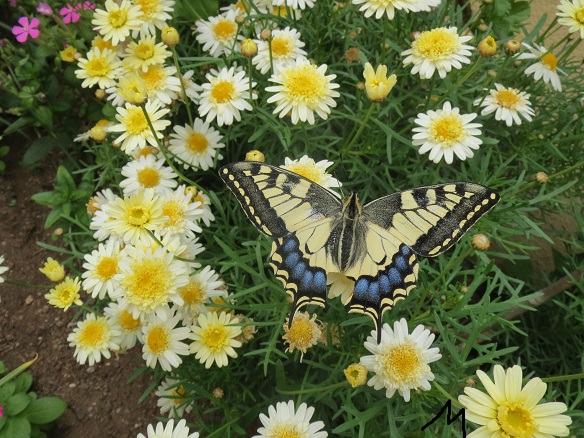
column 101, row 401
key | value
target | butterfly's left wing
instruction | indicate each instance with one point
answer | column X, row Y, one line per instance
column 431, row 219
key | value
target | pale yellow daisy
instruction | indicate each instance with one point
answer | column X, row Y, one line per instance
column 438, row 50
column 284, row 421
column 53, row 270
column 182, row 215
column 295, row 4
column 218, row 35
column 312, row 170
column 571, row 14
column 131, row 218
column 388, row 7
column 356, row 374
column 303, row 89
column 134, row 126
column 130, row 88
column 144, row 53
column 509, row 409
column 93, row 338
column 400, row 361
column 150, row 279
column 377, row 83
column 214, row 338
column 155, row 14
column 169, row 430
column 161, row 83
column 117, row 20
column 65, row 294
column 101, row 68
column 130, row 328
column 148, row 172
column 303, row 334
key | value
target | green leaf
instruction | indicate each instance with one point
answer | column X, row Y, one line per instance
column 4, row 151
column 38, row 150
column 502, row 7
column 65, row 180
column 44, row 115
column 16, row 404
column 198, row 9
column 18, row 124
column 44, row 410
column 47, row 199
column 6, row 391
column 23, row 382
column 16, row 427
column 53, row 217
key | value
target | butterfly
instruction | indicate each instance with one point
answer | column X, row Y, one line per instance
column 374, row 245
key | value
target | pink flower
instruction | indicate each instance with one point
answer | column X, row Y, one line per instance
column 45, row 9
column 87, row 6
column 69, row 14
column 26, row 29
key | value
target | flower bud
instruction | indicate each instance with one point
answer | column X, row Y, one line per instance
column 480, row 242
column 487, row 47
column 542, row 177
column 255, row 155
column 356, row 374
column 266, row 35
column 97, row 133
column 99, row 94
column 170, row 36
column 512, row 47
column 377, row 84
column 249, row 48
column 53, row 270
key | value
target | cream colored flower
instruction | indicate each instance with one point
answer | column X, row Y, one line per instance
column 377, row 83
column 100, row 68
column 214, row 338
column 571, row 14
column 546, row 68
column 93, row 338
column 507, row 104
column 117, row 20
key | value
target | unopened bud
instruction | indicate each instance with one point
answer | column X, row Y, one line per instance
column 99, row 94
column 481, row 242
column 170, row 36
column 255, row 155
column 97, row 133
column 487, row 47
column 542, row 177
column 512, row 47
column 249, row 48
column 266, row 34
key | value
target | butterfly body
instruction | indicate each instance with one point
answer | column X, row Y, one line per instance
column 373, row 245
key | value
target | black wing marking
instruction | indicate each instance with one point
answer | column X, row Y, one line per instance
column 432, row 219
column 278, row 201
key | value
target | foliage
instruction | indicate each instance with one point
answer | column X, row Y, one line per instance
column 23, row 412
column 464, row 296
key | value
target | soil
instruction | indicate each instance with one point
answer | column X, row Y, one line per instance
column 101, row 401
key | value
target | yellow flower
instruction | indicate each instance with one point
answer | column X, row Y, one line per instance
column 377, row 83
column 302, row 334
column 170, row 36
column 65, row 294
column 53, row 270
column 356, row 374
column 68, row 54
column 214, row 338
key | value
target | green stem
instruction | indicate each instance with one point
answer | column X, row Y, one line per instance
column 182, row 85
column 457, row 86
column 313, row 390
column 362, row 127
column 567, row 377
column 446, row 394
column 568, row 52
column 555, row 175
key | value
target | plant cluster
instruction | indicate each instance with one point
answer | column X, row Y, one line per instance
column 366, row 96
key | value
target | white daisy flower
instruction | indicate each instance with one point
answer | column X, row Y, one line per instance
column 130, row 328
column 439, row 50
column 191, row 248
column 171, row 400
column 445, row 133
column 117, row 20
column 315, row 172
column 196, row 146
column 129, row 88
column 101, row 68
column 169, row 430
column 93, row 338
column 144, row 53
column 202, row 287
column 214, row 338
column 191, row 88
column 97, row 201
column 244, row 7
column 148, row 172
column 162, row 84
column 225, row 96
column 284, row 420
column 163, row 340
column 149, row 280
column 203, row 203
column 3, row 269
column 182, row 214
column 509, row 409
column 134, row 126
column 546, row 67
column 295, row 4
column 155, row 14
column 218, row 35
column 571, row 14
column 302, row 90
column 101, row 266
column 507, row 104
column 98, row 220
column 131, row 218
column 381, row 7
column 400, row 361
column 285, row 47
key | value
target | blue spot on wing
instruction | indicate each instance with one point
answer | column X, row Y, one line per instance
column 319, row 280
column 395, row 278
column 290, row 245
column 306, row 279
column 292, row 260
column 298, row 271
column 400, row 263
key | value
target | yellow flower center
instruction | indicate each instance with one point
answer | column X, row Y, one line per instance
column 198, row 198
column 214, row 337
column 93, row 334
column 144, row 50
column 308, row 171
column 447, row 129
column 149, row 8
column 302, row 334
column 197, row 143
column 224, row 30
column 127, row 321
column 305, row 84
column 148, row 284
column 106, row 268
column 436, row 44
column 179, row 393
column 285, row 431
column 158, row 340
column 281, row 47
column 138, row 216
column 101, row 44
column 148, row 177
column 118, row 18
column 516, row 421
column 97, row 66
column 579, row 15
column 135, row 121
column 223, row 91
column 550, row 61
column 155, row 77
column 67, row 295
column 402, row 363
column 192, row 293
column 507, row 98
column 174, row 211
